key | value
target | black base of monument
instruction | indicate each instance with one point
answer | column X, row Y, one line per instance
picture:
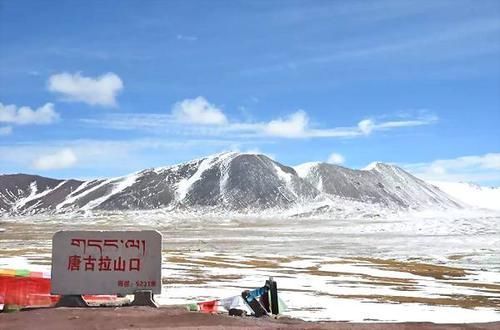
column 144, row 298
column 74, row 300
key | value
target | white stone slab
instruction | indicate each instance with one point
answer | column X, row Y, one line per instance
column 106, row 262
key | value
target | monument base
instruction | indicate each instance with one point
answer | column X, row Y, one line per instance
column 75, row 300
column 144, row 298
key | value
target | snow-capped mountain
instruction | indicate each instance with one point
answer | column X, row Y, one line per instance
column 232, row 181
column 22, row 193
column 383, row 184
column 471, row 194
column 226, row 182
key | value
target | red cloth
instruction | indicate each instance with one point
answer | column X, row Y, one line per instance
column 26, row 291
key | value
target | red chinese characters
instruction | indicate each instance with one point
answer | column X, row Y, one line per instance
column 119, row 264
column 99, row 255
column 103, row 264
column 89, row 263
column 74, row 263
column 135, row 264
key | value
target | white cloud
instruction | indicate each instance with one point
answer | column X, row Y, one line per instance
column 336, row 158
column 366, row 126
column 5, row 130
column 25, row 115
column 294, row 126
column 424, row 120
column 478, row 168
column 199, row 117
column 297, row 126
column 198, row 111
column 101, row 90
column 63, row 158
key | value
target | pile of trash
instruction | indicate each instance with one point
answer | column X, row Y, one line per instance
column 21, row 288
column 257, row 302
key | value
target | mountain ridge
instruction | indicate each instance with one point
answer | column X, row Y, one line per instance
column 384, row 184
column 224, row 182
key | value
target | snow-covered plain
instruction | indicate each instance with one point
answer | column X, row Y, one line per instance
column 419, row 266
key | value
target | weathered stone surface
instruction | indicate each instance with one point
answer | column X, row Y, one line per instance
column 106, row 262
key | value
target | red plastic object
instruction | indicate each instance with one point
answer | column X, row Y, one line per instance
column 208, row 306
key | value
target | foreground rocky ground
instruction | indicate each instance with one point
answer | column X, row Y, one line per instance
column 167, row 318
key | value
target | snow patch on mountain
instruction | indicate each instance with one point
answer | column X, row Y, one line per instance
column 33, row 190
column 118, row 185
column 35, row 195
column 225, row 174
column 185, row 185
column 304, row 169
column 73, row 195
column 371, row 166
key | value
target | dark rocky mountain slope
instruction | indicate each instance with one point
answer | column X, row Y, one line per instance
column 233, row 182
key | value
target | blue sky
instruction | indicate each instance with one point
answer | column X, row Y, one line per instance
column 103, row 88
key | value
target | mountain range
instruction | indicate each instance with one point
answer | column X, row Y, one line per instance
column 227, row 182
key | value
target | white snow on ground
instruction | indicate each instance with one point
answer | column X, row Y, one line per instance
column 318, row 297
column 317, row 262
column 23, row 263
column 471, row 194
column 327, row 308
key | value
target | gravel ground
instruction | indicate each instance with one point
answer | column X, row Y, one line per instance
column 179, row 318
